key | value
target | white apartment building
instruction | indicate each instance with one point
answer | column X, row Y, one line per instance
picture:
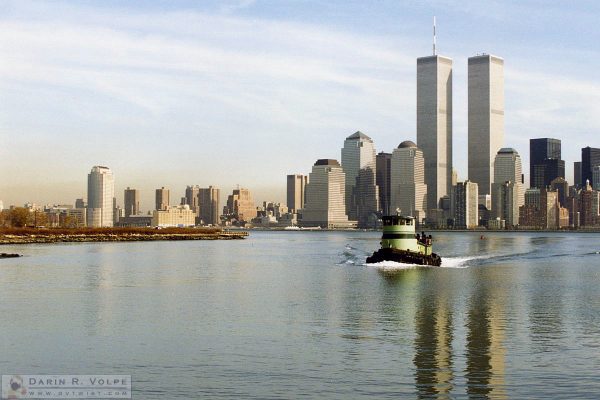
column 100, row 194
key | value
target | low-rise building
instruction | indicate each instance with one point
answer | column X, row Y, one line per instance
column 529, row 216
column 180, row 216
column 135, row 221
column 541, row 210
column 563, row 218
column 288, row 219
column 496, row 224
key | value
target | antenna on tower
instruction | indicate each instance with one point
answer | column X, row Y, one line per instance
column 434, row 51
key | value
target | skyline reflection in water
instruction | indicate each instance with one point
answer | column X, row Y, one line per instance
column 291, row 314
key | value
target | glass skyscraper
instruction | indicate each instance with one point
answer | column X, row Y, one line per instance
column 590, row 157
column 545, row 164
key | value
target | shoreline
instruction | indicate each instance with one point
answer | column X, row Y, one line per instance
column 29, row 236
column 479, row 231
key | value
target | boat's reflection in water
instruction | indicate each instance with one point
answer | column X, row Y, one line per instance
column 458, row 335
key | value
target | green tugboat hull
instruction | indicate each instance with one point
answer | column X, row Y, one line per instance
column 403, row 256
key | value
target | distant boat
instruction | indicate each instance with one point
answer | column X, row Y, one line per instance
column 400, row 244
column 292, row 228
column 9, row 255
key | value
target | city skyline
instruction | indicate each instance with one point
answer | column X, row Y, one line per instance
column 138, row 112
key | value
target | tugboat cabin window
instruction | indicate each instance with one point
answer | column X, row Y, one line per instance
column 397, row 220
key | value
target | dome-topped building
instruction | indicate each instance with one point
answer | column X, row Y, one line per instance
column 507, row 166
column 407, row 144
column 408, row 192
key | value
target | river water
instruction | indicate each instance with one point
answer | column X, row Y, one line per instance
column 299, row 315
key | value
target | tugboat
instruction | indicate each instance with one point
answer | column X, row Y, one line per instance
column 399, row 243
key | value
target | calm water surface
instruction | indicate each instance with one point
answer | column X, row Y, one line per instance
column 299, row 315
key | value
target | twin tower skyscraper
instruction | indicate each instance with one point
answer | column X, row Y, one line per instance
column 434, row 121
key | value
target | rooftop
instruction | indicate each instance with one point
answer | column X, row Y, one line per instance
column 507, row 150
column 358, row 135
column 407, row 144
column 325, row 161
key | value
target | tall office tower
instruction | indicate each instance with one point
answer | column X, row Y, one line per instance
column 80, row 203
column 573, row 207
column 241, row 205
column 465, row 205
column 549, row 209
column 486, row 117
column 596, row 206
column 408, row 191
column 588, row 214
column 383, row 170
column 562, row 187
column 132, row 202
column 595, row 182
column 545, row 162
column 191, row 198
column 434, row 124
column 508, row 168
column 118, row 212
column 505, row 202
column 1, row 205
column 577, row 173
column 209, row 203
column 162, row 199
column 590, row 157
column 100, row 194
column 588, row 206
column 296, row 188
column 553, row 168
column 358, row 163
column 325, row 205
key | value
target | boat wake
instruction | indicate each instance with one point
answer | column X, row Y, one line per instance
column 394, row 266
column 447, row 262
column 352, row 255
column 460, row 262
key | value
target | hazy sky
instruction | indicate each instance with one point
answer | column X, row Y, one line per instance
column 172, row 93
